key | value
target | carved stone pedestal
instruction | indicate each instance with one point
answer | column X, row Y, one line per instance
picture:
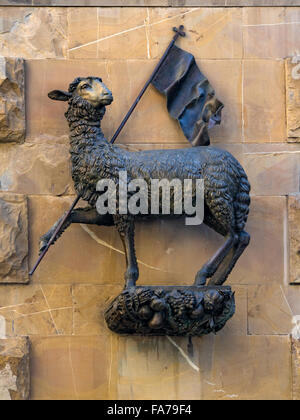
column 171, row 310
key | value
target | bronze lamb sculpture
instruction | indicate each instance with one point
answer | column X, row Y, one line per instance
column 226, row 185
column 226, row 208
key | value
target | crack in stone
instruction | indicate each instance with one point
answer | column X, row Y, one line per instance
column 185, row 356
column 18, row 304
column 107, row 245
column 21, row 315
column 271, row 24
column 107, row 37
column 147, row 22
column 287, row 302
column 50, row 313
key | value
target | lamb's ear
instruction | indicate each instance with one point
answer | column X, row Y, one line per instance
column 59, row 95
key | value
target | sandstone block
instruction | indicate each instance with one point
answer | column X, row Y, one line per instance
column 264, row 113
column 14, row 239
column 12, row 100
column 271, row 32
column 107, row 33
column 250, row 368
column 39, row 32
column 70, row 368
column 123, row 33
column 90, row 302
column 272, row 173
column 37, row 310
column 294, row 241
column 293, row 99
column 36, row 168
column 169, row 375
column 14, row 369
column 83, row 29
column 269, row 312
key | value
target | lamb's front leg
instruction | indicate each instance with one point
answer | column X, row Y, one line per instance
column 87, row 215
column 125, row 227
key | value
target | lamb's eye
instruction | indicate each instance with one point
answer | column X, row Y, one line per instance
column 85, row 86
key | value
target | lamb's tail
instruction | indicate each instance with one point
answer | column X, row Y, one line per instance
column 242, row 201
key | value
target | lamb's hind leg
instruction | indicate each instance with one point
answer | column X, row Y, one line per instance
column 239, row 248
column 211, row 266
column 87, row 215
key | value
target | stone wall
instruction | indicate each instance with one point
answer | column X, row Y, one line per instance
column 250, row 55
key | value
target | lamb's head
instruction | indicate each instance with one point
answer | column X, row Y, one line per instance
column 86, row 89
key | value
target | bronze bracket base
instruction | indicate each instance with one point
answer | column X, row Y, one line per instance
column 171, row 310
